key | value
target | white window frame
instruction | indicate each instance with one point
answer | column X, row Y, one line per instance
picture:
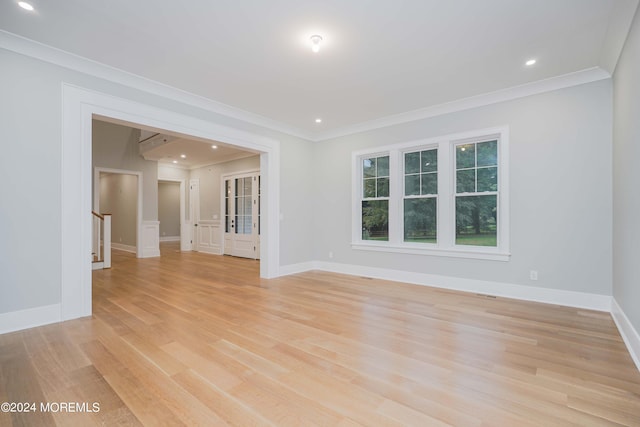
column 445, row 245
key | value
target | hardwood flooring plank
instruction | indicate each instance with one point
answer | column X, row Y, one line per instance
column 196, row 339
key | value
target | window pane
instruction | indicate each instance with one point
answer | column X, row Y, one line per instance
column 476, row 219
column 383, row 187
column 369, row 168
column 420, row 220
column 488, row 179
column 383, row 166
column 465, row 156
column 411, row 163
column 369, row 187
column 247, row 205
column 429, row 183
column 466, row 181
column 429, row 161
column 412, row 185
column 375, row 220
column 247, row 186
column 487, row 153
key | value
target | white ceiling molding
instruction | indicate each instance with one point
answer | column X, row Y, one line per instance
column 620, row 22
column 74, row 62
column 43, row 52
column 541, row 86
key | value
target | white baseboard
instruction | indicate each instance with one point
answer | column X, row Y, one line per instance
column 215, row 250
column 627, row 331
column 506, row 290
column 29, row 318
column 125, row 248
column 286, row 270
column 170, row 238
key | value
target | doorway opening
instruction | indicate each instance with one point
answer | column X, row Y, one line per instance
column 80, row 107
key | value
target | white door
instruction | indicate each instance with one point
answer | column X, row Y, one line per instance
column 194, row 211
column 242, row 216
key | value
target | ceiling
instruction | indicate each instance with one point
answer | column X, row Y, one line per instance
column 377, row 59
column 197, row 153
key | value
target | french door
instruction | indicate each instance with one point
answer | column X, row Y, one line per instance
column 242, row 215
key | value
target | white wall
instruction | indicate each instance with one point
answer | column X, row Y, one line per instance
column 119, row 197
column 169, row 208
column 560, row 166
column 626, row 195
column 210, row 183
column 31, row 128
column 116, row 147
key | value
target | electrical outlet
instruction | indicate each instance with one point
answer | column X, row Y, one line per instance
column 533, row 275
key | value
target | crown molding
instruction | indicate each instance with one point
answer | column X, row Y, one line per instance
column 31, row 48
column 43, row 52
column 554, row 83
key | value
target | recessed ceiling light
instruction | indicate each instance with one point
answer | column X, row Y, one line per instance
column 215, row 147
column 318, row 120
column 175, row 161
column 184, row 156
column 530, row 62
column 25, row 6
column 315, row 42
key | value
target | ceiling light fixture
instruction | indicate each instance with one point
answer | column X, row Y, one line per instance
column 315, row 42
column 25, row 6
column 530, row 62
column 318, row 120
column 215, row 147
column 184, row 156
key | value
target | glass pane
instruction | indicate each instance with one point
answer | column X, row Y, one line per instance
column 247, row 186
column 247, row 225
column 488, row 179
column 465, row 156
column 383, row 166
column 429, row 161
column 487, row 153
column 420, row 220
column 247, row 205
column 369, row 168
column 411, row 163
column 429, row 183
column 239, row 205
column 412, row 185
column 383, row 187
column 238, row 187
column 476, row 220
column 375, row 220
column 369, row 188
column 466, row 181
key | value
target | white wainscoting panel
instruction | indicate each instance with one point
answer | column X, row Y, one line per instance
column 150, row 239
column 210, row 237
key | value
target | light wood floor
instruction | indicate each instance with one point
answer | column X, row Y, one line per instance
column 193, row 339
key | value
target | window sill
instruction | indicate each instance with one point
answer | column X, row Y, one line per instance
column 491, row 255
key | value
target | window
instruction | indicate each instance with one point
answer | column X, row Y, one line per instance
column 444, row 196
column 420, row 196
column 375, row 198
column 477, row 193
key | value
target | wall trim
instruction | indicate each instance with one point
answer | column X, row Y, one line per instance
column 43, row 52
column 506, row 290
column 541, row 86
column 123, row 247
column 150, row 244
column 29, row 318
column 52, row 55
column 629, row 334
column 286, row 270
column 170, row 238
